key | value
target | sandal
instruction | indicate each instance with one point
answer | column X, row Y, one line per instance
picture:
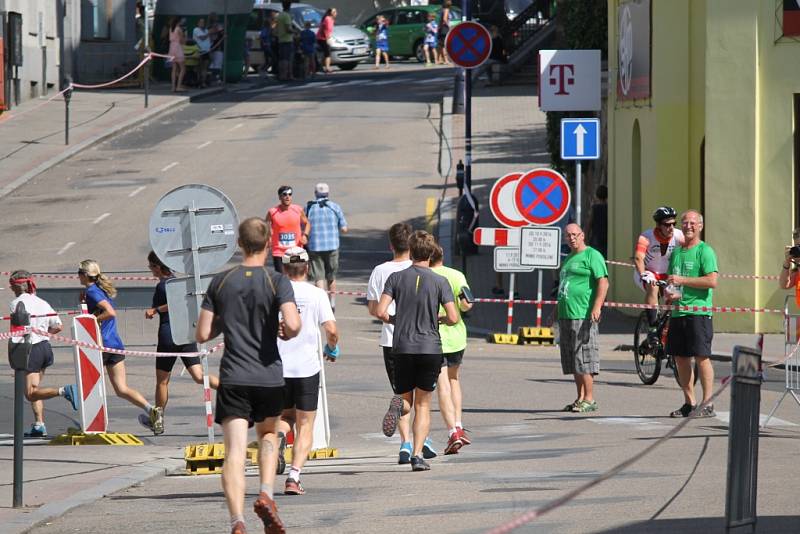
column 585, row 406
column 571, row 407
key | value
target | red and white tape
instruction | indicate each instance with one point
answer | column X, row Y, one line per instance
column 722, row 275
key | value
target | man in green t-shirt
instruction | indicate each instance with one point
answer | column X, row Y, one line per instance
column 581, row 291
column 285, row 32
column 454, row 342
column 693, row 277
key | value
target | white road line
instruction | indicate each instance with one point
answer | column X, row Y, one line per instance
column 137, row 191
column 65, row 248
column 200, row 147
column 168, row 167
column 236, row 127
column 100, row 218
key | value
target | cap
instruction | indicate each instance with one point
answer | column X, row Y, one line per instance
column 295, row 255
column 322, row 189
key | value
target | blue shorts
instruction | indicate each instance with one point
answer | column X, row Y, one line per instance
column 382, row 45
column 430, row 41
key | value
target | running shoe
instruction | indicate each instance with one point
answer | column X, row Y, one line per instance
column 585, row 406
column 145, row 421
column 392, row 416
column 428, row 451
column 419, row 464
column 454, row 443
column 238, row 528
column 37, row 430
column 293, row 487
column 71, row 394
column 706, row 411
column 405, row 453
column 464, row 437
column 281, row 467
column 267, row 510
column 157, row 420
column 683, row 411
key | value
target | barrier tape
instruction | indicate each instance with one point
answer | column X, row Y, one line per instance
column 722, row 275
column 141, row 64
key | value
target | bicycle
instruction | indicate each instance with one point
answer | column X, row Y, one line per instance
column 649, row 348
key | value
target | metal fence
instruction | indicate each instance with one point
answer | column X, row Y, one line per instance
column 791, row 327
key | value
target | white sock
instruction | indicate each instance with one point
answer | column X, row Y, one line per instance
column 148, row 408
column 267, row 488
column 235, row 519
column 453, row 430
column 459, row 425
column 294, row 473
column 61, row 391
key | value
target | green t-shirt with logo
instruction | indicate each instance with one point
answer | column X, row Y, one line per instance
column 578, row 285
column 454, row 338
column 694, row 262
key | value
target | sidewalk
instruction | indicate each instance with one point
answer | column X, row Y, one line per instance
column 32, row 135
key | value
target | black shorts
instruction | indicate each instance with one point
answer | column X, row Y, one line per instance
column 690, row 335
column 40, row 358
column 416, row 371
column 389, row 362
column 324, row 47
column 285, row 51
column 109, row 358
column 167, row 363
column 301, row 393
column 452, row 359
column 248, row 402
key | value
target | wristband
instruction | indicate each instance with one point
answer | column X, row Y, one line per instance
column 331, row 352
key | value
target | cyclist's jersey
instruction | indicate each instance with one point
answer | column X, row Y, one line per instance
column 657, row 250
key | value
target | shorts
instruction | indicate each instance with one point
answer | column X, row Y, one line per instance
column 442, row 35
column 301, row 393
column 40, row 358
column 253, row 403
column 277, row 262
column 416, row 371
column 324, row 47
column 643, row 286
column 285, row 51
column 323, row 265
column 167, row 363
column 382, row 45
column 690, row 335
column 580, row 351
column 430, row 42
column 452, row 359
column 389, row 362
column 109, row 358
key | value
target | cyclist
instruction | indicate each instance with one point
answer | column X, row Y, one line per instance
column 651, row 257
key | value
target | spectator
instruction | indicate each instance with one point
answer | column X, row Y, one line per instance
column 308, row 44
column 429, row 44
column 216, row 33
column 692, row 278
column 41, row 355
column 444, row 28
column 581, row 292
column 381, row 41
column 499, row 53
column 289, row 226
column 790, row 271
column 285, row 31
column 325, row 37
column 265, row 38
column 243, row 304
column 598, row 221
column 203, row 42
column 176, row 41
column 327, row 221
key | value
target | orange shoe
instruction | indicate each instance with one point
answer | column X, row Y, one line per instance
column 267, row 510
column 238, row 528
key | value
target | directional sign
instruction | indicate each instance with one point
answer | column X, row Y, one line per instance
column 468, row 44
column 501, row 201
column 540, row 246
column 496, row 237
column 580, row 138
column 506, row 260
column 542, row 196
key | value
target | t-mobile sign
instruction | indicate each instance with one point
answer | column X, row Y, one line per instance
column 569, row 80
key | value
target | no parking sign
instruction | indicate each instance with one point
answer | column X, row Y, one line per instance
column 468, row 44
column 542, row 197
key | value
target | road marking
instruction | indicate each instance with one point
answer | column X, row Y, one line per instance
column 204, row 145
column 638, row 422
column 725, row 417
column 65, row 248
column 137, row 191
column 236, row 127
column 100, row 218
column 168, row 167
column 430, row 210
column 8, row 439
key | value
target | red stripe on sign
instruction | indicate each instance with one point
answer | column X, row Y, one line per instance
column 476, row 236
column 98, row 424
column 207, row 394
column 500, row 237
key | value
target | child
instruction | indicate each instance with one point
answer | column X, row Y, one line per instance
column 308, row 42
column 431, row 29
column 381, row 41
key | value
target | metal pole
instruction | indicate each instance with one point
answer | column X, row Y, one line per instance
column 465, row 6
column 539, row 298
column 67, row 98
column 19, row 418
column 146, row 67
column 225, row 44
column 578, row 192
column 510, row 302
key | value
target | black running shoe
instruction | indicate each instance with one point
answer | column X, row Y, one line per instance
column 419, row 464
column 392, row 416
column 683, row 411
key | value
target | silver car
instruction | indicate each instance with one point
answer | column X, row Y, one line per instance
column 349, row 48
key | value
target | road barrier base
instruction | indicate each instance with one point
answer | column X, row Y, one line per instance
column 316, row 454
column 503, row 339
column 320, row 454
column 204, row 458
column 76, row 437
column 536, row 335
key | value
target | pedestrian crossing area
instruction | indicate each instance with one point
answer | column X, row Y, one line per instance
column 330, row 82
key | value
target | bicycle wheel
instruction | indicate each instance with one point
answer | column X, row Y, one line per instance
column 648, row 364
column 675, row 371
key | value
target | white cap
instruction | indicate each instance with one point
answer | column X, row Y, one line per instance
column 295, row 255
column 322, row 189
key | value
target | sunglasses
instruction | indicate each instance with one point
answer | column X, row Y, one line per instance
column 667, row 224
column 286, row 194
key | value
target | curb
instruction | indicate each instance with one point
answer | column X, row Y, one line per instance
column 88, row 143
column 54, row 510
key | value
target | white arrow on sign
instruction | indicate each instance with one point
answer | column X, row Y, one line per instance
column 579, row 132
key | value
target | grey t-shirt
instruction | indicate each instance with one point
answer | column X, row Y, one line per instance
column 417, row 292
column 247, row 301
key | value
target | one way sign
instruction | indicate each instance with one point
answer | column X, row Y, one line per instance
column 580, row 138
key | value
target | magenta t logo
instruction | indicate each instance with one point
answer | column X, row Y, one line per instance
column 561, row 78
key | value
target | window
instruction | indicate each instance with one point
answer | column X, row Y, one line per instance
column 411, row 17
column 96, row 19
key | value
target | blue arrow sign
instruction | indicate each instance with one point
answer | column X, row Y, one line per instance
column 580, row 138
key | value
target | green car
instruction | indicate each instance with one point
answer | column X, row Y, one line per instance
column 407, row 28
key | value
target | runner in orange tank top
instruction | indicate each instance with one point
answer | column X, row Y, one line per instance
column 289, row 226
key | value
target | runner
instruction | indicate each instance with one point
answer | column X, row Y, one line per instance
column 99, row 295
column 165, row 343
column 243, row 304
column 301, row 365
column 288, row 225
column 41, row 355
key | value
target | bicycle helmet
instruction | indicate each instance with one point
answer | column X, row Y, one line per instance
column 664, row 212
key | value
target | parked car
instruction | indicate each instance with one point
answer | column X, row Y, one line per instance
column 351, row 45
column 407, row 28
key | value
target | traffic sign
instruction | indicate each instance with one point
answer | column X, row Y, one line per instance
column 580, row 138
column 468, row 44
column 542, row 196
column 501, row 201
column 506, row 260
column 496, row 237
column 540, row 246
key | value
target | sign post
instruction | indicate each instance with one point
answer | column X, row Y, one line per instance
column 580, row 140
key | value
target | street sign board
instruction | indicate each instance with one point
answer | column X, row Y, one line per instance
column 506, row 260
column 540, row 246
column 183, row 311
column 501, row 201
column 580, row 139
column 542, row 196
column 468, row 44
column 496, row 237
column 569, row 80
